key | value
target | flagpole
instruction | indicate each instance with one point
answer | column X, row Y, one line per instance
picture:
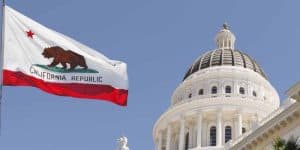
column 2, row 52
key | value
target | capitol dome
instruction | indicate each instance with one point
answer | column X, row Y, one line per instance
column 220, row 57
column 225, row 54
column 223, row 94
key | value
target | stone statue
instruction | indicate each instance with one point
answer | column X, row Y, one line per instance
column 122, row 143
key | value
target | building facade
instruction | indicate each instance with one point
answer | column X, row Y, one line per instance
column 223, row 97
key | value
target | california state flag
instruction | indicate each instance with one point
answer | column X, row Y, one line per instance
column 40, row 57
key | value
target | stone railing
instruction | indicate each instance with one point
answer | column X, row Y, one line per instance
column 207, row 148
column 287, row 103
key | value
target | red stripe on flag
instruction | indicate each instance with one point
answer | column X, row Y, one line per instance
column 90, row 91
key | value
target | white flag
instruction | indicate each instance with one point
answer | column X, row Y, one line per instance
column 40, row 57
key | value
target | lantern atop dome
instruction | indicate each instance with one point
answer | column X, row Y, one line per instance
column 225, row 38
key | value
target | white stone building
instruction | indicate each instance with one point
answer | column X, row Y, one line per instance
column 225, row 101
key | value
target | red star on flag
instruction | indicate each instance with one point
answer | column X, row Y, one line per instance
column 30, row 34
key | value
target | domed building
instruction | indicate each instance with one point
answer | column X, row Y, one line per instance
column 223, row 95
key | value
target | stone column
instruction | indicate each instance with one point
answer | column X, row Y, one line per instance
column 159, row 145
column 199, row 129
column 181, row 134
column 254, row 121
column 168, row 143
column 191, row 135
column 257, row 118
column 239, row 124
column 219, row 128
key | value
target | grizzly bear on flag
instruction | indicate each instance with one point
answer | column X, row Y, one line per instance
column 63, row 57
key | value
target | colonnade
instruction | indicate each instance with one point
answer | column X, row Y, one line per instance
column 164, row 140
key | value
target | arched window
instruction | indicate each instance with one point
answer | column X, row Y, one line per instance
column 227, row 133
column 190, row 95
column 212, row 136
column 243, row 129
column 214, row 90
column 186, row 147
column 254, row 94
column 228, row 89
column 201, row 92
column 242, row 90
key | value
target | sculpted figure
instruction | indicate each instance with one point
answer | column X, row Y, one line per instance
column 122, row 143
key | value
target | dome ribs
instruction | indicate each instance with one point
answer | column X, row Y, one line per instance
column 233, row 62
column 206, row 60
column 196, row 66
column 187, row 74
column 238, row 59
column 216, row 59
column 243, row 59
column 253, row 63
column 226, row 57
column 249, row 63
column 211, row 57
column 202, row 60
column 258, row 69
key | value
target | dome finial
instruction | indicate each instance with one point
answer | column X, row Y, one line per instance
column 225, row 25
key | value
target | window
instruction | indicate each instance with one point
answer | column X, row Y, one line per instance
column 186, row 147
column 265, row 98
column 201, row 92
column 242, row 90
column 227, row 133
column 190, row 95
column 243, row 130
column 212, row 136
column 214, row 90
column 254, row 94
column 228, row 89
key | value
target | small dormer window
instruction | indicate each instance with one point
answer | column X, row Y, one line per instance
column 228, row 89
column 190, row 95
column 201, row 92
column 214, row 90
column 243, row 130
column 242, row 90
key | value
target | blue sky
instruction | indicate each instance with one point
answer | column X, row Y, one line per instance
column 158, row 39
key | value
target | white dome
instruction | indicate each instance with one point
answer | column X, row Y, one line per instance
column 222, row 94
